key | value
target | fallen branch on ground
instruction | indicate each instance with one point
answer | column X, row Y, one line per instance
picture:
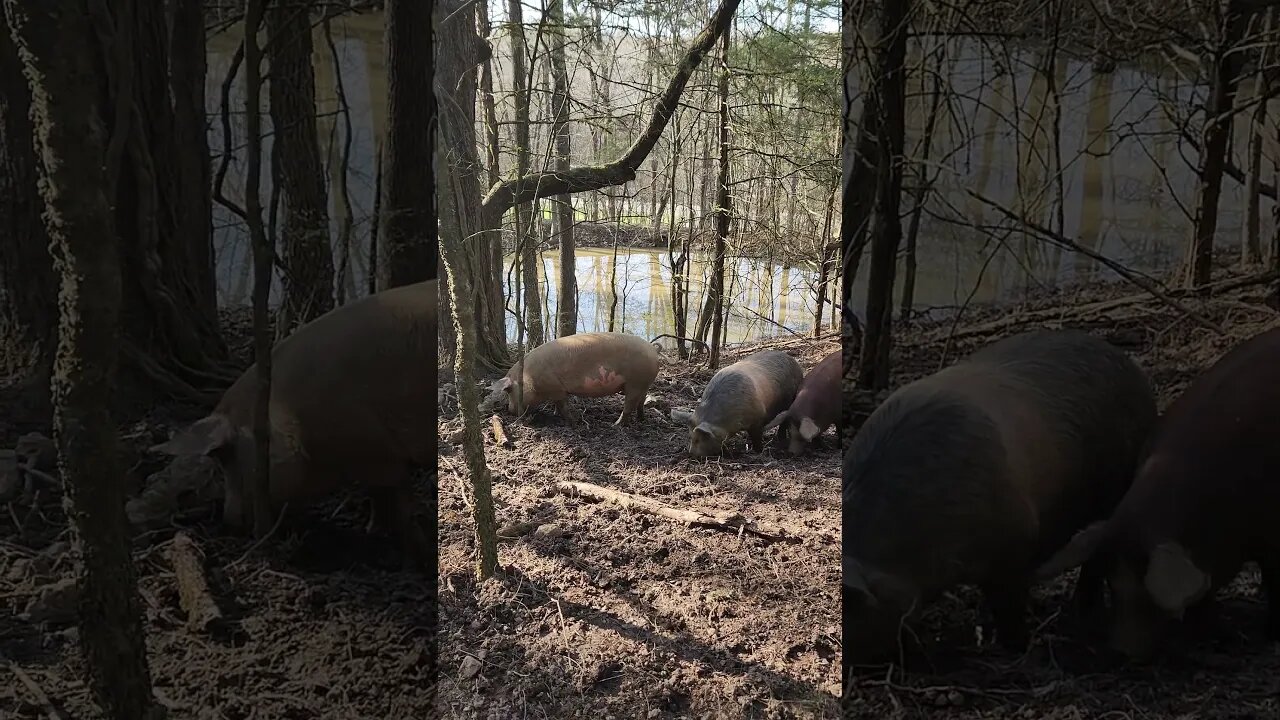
column 724, row 520
column 46, row 705
column 499, row 434
column 193, row 590
column 1075, row 312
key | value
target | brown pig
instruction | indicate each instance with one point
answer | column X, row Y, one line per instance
column 978, row 473
column 816, row 407
column 1205, row 501
column 353, row 400
column 596, row 364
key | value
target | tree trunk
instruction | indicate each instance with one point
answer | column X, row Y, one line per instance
column 1251, row 245
column 170, row 344
column 28, row 302
column 409, row 227
column 1213, row 151
column 295, row 152
column 919, row 197
column 526, row 247
column 873, row 372
column 826, row 268
column 59, row 45
column 679, row 262
column 723, row 208
column 459, row 187
column 567, row 303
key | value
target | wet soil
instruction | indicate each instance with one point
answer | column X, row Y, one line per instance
column 603, row 612
column 1218, row 667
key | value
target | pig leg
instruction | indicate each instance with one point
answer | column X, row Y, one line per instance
column 1088, row 594
column 562, row 409
column 756, row 434
column 634, row 405
column 1007, row 598
column 393, row 506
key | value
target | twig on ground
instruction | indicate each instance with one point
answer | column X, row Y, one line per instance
column 499, row 434
column 724, row 520
column 47, row 705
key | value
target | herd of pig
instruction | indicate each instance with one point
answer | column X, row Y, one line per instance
column 1038, row 453
column 763, row 391
column 1043, row 452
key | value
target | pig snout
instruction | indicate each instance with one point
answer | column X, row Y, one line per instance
column 706, row 440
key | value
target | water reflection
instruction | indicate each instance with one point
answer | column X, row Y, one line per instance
column 766, row 300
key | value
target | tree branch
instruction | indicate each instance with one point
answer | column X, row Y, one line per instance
column 528, row 188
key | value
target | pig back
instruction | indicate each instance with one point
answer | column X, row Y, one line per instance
column 1074, row 414
column 359, row 383
column 567, row 361
column 751, row 391
column 1036, row 434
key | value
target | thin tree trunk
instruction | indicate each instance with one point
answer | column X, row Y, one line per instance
column 826, row 267
column 308, row 255
column 567, row 303
column 1251, row 245
column 526, row 248
column 457, row 177
column 723, row 208
column 56, row 41
column 344, row 166
column 891, row 73
column 409, row 245
column 920, row 196
column 263, row 254
column 1213, row 151
column 677, row 262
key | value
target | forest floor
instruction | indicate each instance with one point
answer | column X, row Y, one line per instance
column 321, row 620
column 607, row 613
column 1223, row 670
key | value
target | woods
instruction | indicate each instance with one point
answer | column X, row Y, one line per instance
column 157, row 161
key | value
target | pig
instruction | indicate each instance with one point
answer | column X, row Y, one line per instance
column 978, row 473
column 353, row 400
column 1205, row 500
column 596, row 364
column 742, row 396
column 816, row 407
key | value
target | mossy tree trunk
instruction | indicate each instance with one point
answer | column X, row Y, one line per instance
column 58, row 44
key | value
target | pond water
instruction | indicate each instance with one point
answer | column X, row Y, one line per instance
column 765, row 300
column 1126, row 186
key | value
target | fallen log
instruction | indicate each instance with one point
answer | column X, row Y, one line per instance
column 193, row 590
column 723, row 520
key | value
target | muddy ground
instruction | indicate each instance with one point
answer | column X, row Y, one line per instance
column 322, row 622
column 1223, row 669
column 610, row 613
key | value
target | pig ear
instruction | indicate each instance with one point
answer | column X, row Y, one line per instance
column 505, row 384
column 683, row 417
column 776, row 421
column 704, row 429
column 203, row 437
column 809, row 429
column 1173, row 580
column 1076, row 552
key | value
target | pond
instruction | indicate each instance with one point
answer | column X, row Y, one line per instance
column 1126, row 186
column 765, row 300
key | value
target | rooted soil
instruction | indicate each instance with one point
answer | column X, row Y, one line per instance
column 321, row 620
column 1221, row 667
column 608, row 613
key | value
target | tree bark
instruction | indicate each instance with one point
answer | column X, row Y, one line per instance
column 170, row 343
column 28, row 302
column 57, row 43
column 1213, row 152
column 295, row 152
column 567, row 302
column 873, row 372
column 920, row 195
column 723, row 209
column 409, row 245
column 459, row 187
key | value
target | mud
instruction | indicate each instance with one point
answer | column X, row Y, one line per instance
column 603, row 612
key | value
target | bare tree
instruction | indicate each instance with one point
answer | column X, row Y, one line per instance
column 567, row 302
column 56, row 42
column 724, row 209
